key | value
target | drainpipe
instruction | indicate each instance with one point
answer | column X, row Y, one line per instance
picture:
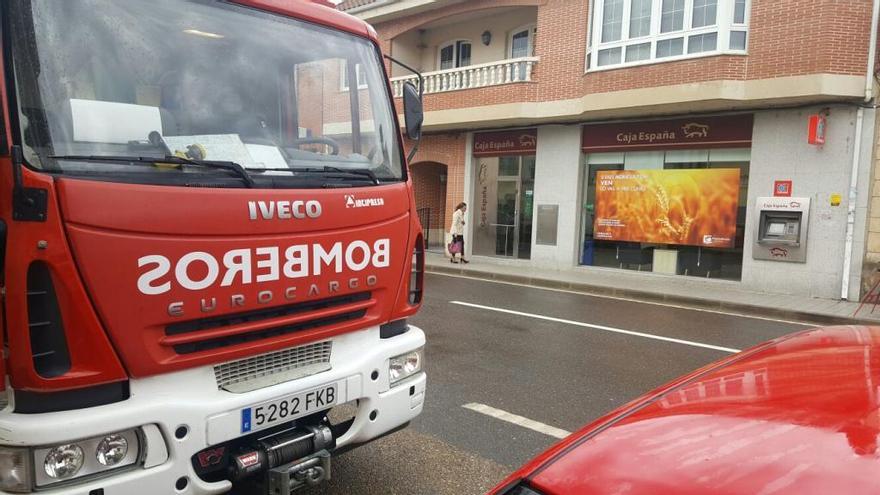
column 857, row 144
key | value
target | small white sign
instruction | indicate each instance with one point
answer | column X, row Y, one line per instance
column 111, row 122
column 222, row 147
column 266, row 156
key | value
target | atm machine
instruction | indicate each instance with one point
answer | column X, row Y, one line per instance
column 782, row 229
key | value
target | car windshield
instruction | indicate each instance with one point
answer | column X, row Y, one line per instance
column 99, row 81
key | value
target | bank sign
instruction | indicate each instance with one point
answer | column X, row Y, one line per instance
column 733, row 131
column 519, row 142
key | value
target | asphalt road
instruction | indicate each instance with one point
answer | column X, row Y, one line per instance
column 559, row 373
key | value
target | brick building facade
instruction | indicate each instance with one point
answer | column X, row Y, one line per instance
column 572, row 71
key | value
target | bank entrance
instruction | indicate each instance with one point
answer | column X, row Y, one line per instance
column 504, row 193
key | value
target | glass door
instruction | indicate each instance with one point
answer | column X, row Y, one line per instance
column 525, row 207
column 504, row 201
column 506, row 220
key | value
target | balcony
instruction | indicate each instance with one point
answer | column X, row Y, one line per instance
column 510, row 71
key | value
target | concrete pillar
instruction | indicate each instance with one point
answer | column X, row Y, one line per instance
column 557, row 182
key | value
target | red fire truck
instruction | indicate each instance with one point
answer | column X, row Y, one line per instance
column 209, row 246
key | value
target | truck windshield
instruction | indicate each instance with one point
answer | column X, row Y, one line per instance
column 99, row 81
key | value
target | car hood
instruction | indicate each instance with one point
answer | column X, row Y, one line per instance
column 798, row 415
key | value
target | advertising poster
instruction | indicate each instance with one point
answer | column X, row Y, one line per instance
column 695, row 207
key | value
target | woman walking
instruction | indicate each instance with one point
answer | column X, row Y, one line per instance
column 457, row 232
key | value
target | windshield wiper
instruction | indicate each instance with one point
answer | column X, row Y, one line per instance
column 175, row 160
column 328, row 171
column 356, row 171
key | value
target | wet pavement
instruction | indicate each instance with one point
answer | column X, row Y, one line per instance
column 557, row 358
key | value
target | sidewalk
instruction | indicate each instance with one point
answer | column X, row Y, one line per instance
column 683, row 291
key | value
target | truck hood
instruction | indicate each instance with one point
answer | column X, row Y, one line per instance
column 188, row 276
column 800, row 415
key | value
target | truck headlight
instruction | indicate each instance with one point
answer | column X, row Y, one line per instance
column 24, row 468
column 111, row 450
column 63, row 461
column 15, row 470
column 86, row 458
column 405, row 365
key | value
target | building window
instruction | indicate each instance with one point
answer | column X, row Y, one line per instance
column 522, row 41
column 640, row 18
column 705, row 12
column 672, row 16
column 739, row 28
column 609, row 56
column 670, row 47
column 455, row 54
column 638, row 52
column 361, row 77
column 703, row 43
column 670, row 258
column 739, row 12
column 737, row 40
column 612, row 20
column 630, row 32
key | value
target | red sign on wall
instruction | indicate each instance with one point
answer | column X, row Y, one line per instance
column 816, row 130
column 782, row 188
column 734, row 131
column 520, row 142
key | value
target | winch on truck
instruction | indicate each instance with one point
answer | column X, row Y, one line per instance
column 208, row 246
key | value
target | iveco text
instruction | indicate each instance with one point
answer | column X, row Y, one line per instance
column 267, row 210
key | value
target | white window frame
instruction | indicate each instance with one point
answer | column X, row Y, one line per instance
column 343, row 70
column 591, row 18
column 723, row 26
column 455, row 53
column 740, row 26
column 531, row 28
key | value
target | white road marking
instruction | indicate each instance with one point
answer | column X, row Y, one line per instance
column 517, row 420
column 598, row 327
column 628, row 299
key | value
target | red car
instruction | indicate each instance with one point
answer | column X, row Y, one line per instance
column 796, row 415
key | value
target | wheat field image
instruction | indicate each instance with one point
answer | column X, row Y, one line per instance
column 692, row 207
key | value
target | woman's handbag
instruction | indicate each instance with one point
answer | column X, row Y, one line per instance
column 454, row 247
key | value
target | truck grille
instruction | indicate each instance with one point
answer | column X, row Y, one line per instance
column 228, row 330
column 276, row 367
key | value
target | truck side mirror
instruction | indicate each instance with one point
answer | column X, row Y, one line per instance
column 413, row 114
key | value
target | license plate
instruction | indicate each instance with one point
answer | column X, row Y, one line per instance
column 277, row 411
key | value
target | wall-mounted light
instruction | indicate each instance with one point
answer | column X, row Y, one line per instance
column 487, row 37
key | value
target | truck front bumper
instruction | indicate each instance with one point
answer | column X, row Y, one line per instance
column 182, row 413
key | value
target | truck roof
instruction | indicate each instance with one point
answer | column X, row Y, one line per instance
column 796, row 415
column 315, row 11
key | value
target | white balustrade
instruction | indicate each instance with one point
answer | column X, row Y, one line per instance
column 515, row 70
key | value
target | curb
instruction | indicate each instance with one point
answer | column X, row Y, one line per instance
column 654, row 297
